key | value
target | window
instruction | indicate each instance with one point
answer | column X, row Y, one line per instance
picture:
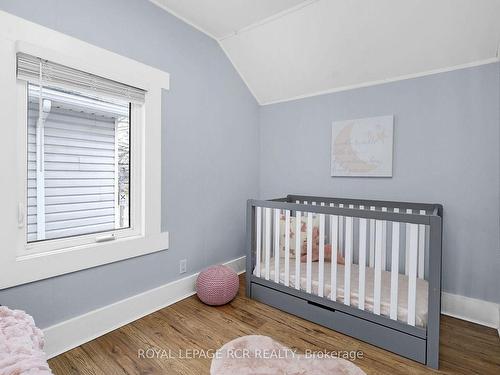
column 78, row 150
column 78, row 164
column 80, row 154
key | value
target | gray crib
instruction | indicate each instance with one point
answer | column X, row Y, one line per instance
column 368, row 269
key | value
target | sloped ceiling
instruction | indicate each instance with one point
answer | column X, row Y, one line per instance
column 298, row 48
column 221, row 18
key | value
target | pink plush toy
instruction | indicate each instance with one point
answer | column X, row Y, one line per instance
column 315, row 250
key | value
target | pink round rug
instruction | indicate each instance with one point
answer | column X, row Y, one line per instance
column 251, row 355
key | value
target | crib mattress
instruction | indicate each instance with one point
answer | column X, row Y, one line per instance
column 385, row 303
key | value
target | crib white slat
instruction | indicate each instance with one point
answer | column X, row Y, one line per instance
column 268, row 242
column 362, row 262
column 298, row 247
column 384, row 242
column 287, row 247
column 421, row 248
column 321, row 273
column 276, row 233
column 377, row 290
column 394, row 268
column 372, row 240
column 341, row 232
column 309, row 230
column 258, row 239
column 334, row 239
column 348, row 259
column 412, row 274
column 348, row 242
column 407, row 244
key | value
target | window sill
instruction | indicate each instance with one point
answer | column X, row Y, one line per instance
column 53, row 246
column 29, row 268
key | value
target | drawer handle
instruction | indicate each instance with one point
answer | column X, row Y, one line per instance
column 321, row 306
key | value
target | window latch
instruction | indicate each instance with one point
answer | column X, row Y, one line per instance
column 20, row 215
column 106, row 238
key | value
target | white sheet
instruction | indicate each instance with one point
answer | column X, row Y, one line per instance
column 385, row 304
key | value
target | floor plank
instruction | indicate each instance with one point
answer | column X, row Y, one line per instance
column 466, row 348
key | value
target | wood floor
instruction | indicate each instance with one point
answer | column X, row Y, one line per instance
column 466, row 348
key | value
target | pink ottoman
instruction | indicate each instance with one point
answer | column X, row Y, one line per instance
column 217, row 285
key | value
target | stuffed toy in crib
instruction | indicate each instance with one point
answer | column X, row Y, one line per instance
column 303, row 240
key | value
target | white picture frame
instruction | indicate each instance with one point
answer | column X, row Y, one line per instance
column 362, row 147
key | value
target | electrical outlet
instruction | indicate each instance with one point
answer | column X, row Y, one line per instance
column 182, row 266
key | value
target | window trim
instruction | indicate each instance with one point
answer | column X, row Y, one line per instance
column 21, row 262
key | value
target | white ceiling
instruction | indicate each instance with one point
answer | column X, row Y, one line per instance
column 326, row 45
column 221, row 18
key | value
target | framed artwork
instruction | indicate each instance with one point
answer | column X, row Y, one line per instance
column 362, row 147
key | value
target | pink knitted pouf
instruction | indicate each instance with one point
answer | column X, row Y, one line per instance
column 217, row 285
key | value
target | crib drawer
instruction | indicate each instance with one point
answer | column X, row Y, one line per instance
column 387, row 338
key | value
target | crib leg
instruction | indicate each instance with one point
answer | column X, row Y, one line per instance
column 250, row 250
column 434, row 310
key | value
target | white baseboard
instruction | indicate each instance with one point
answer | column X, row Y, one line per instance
column 498, row 321
column 71, row 333
column 471, row 309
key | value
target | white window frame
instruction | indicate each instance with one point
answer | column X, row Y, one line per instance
column 22, row 262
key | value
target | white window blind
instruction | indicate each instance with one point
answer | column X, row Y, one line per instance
column 47, row 73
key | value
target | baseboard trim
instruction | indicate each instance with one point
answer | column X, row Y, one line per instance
column 498, row 320
column 471, row 309
column 76, row 331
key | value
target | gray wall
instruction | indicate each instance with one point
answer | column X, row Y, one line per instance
column 210, row 138
column 446, row 151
